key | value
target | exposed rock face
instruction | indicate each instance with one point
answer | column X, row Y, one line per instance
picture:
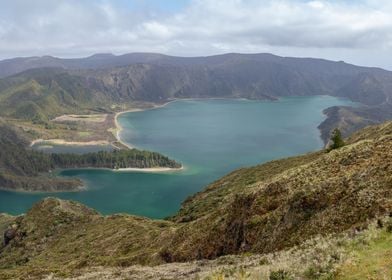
column 9, row 234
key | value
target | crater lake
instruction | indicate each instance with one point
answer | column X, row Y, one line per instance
column 209, row 137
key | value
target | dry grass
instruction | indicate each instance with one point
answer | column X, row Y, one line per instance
column 322, row 257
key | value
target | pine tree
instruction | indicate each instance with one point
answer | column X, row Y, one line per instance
column 336, row 140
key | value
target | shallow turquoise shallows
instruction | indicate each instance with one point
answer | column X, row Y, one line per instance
column 209, row 137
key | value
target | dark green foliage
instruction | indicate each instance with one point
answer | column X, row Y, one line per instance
column 114, row 160
column 15, row 159
column 264, row 261
column 389, row 226
column 318, row 271
column 336, row 140
column 280, row 275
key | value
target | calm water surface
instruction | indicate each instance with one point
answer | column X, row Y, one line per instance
column 210, row 138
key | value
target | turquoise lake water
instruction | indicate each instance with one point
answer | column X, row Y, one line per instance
column 209, row 137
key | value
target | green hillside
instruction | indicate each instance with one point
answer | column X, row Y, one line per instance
column 314, row 216
column 44, row 95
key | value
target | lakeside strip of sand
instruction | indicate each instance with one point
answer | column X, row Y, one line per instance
column 119, row 128
column 148, row 170
column 133, row 169
column 69, row 143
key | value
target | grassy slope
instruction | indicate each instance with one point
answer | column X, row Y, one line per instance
column 43, row 94
column 261, row 209
column 325, row 192
column 222, row 192
column 363, row 255
column 62, row 236
column 372, row 260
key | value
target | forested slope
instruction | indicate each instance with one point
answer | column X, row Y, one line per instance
column 25, row 169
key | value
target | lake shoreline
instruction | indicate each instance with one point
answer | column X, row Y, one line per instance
column 149, row 169
column 178, row 130
column 79, row 188
column 117, row 128
column 130, row 169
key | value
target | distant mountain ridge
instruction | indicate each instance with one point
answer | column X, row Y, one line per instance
column 13, row 66
column 44, row 87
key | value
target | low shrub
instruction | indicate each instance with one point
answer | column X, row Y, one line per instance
column 280, row 275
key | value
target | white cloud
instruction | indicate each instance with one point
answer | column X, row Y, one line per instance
column 319, row 27
column 155, row 31
column 316, row 4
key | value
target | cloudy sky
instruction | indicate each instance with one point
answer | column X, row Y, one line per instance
column 356, row 31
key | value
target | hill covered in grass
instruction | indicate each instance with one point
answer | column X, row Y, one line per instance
column 42, row 94
column 302, row 216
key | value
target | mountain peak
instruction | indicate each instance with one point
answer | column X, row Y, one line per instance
column 101, row 55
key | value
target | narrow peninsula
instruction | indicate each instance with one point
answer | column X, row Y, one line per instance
column 25, row 169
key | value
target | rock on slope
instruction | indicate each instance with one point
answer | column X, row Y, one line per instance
column 261, row 209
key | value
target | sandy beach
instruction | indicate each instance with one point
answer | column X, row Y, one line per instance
column 118, row 127
column 70, row 143
column 148, row 170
